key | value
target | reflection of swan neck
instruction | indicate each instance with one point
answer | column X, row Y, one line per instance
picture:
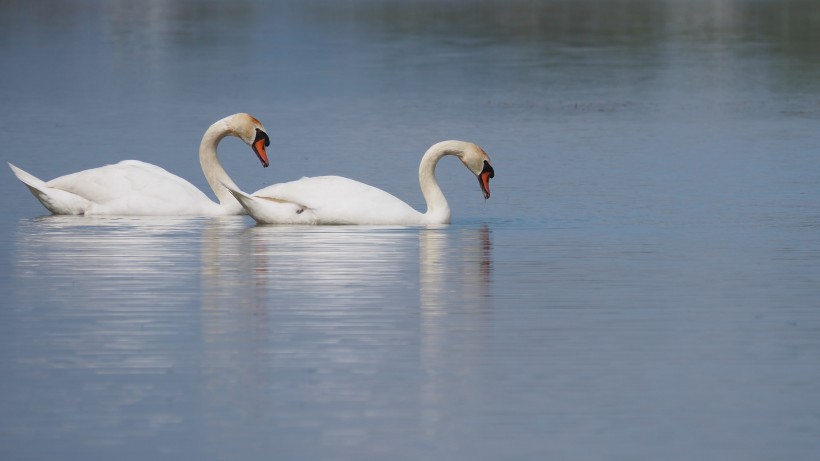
column 213, row 170
column 432, row 246
column 438, row 210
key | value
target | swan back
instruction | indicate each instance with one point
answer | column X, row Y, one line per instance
column 132, row 187
column 339, row 200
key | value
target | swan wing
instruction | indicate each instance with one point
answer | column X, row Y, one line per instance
column 339, row 200
column 132, row 187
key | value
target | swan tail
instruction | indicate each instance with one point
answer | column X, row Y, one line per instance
column 249, row 203
column 268, row 210
column 27, row 178
column 55, row 200
column 244, row 199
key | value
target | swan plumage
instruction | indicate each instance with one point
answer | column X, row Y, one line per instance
column 339, row 200
column 133, row 187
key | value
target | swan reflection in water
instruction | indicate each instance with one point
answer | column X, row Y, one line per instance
column 314, row 308
column 142, row 260
column 455, row 267
column 295, row 292
column 144, row 266
column 342, row 312
column 332, row 266
column 102, row 259
column 459, row 258
column 106, row 287
column 101, row 309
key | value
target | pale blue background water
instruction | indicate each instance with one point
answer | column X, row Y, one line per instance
column 644, row 282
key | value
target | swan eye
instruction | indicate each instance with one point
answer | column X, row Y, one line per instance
column 488, row 169
column 262, row 135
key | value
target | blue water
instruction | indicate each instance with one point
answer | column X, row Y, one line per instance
column 642, row 285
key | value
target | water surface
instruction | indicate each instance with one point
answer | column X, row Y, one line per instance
column 642, row 284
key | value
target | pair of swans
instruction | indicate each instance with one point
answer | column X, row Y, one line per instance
column 132, row 188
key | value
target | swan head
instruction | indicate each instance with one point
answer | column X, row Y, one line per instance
column 476, row 160
column 250, row 130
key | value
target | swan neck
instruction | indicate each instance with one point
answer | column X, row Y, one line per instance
column 213, row 170
column 438, row 210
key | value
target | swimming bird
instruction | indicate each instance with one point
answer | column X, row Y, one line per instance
column 339, row 200
column 132, row 187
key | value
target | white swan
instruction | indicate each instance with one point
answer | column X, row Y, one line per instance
column 131, row 187
column 337, row 200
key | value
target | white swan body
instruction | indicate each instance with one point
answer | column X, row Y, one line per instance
column 132, row 187
column 338, row 200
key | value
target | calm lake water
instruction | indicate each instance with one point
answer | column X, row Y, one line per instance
column 644, row 283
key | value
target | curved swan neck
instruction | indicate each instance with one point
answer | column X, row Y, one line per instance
column 213, row 170
column 438, row 210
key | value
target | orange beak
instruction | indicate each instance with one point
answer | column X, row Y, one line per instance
column 484, row 179
column 259, row 145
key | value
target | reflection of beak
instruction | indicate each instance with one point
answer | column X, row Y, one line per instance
column 484, row 179
column 258, row 147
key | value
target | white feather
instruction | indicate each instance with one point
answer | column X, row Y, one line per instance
column 132, row 187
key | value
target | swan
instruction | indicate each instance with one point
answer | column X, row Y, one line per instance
column 132, row 187
column 339, row 200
